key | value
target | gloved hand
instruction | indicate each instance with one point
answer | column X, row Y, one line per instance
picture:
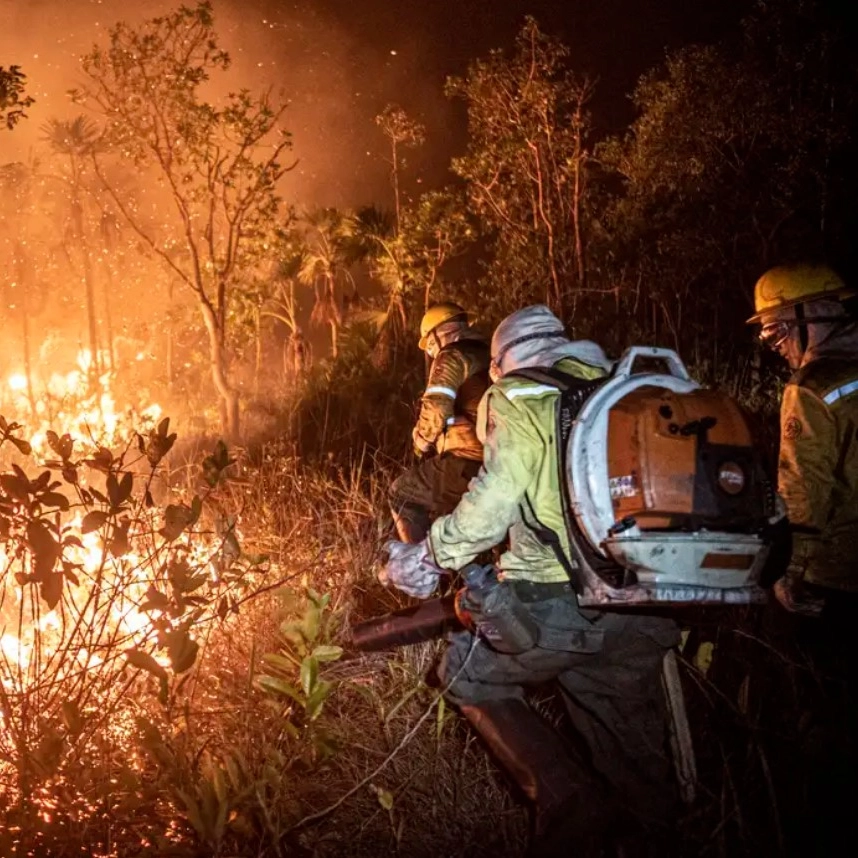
column 421, row 445
column 791, row 592
column 410, row 568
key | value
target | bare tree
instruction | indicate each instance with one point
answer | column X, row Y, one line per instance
column 218, row 164
column 401, row 131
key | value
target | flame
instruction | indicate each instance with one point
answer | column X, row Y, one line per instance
column 53, row 652
column 98, row 616
column 71, row 402
column 18, row 382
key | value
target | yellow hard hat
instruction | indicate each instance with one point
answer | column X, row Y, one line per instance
column 787, row 285
column 436, row 315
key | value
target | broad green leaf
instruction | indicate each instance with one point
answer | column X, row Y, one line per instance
column 310, row 622
column 15, row 487
column 281, row 662
column 176, row 518
column 62, row 446
column 316, row 701
column 326, row 652
column 155, row 600
column 280, row 686
column 51, row 588
column 182, row 650
column 119, row 543
column 22, row 445
column 44, row 547
column 93, row 521
column 385, row 798
column 703, row 656
column 439, row 720
column 309, row 674
column 55, row 499
column 126, row 484
column 112, row 486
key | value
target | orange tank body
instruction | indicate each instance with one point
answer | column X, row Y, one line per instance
column 653, row 437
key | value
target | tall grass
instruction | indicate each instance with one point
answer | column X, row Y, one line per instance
column 221, row 765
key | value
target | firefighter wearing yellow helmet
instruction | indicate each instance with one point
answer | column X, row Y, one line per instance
column 807, row 316
column 446, row 425
column 607, row 664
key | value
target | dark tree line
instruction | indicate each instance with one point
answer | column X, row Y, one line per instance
column 741, row 156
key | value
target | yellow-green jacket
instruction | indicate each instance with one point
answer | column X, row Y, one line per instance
column 818, row 469
column 517, row 485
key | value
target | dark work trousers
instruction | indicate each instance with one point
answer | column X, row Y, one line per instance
column 825, row 756
column 430, row 489
column 610, row 679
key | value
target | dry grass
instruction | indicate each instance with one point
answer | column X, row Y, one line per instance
column 425, row 785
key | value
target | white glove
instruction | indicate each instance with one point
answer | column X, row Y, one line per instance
column 410, row 568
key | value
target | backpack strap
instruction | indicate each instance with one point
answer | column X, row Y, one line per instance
column 574, row 392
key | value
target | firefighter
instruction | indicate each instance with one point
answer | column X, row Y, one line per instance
column 608, row 665
column 806, row 316
column 444, row 437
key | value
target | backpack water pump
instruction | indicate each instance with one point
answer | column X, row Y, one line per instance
column 666, row 498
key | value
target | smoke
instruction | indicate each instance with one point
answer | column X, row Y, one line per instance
column 335, row 81
column 338, row 62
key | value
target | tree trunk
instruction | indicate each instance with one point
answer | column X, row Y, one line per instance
column 334, row 338
column 77, row 216
column 108, row 314
column 258, row 367
column 169, row 355
column 229, row 411
column 24, row 281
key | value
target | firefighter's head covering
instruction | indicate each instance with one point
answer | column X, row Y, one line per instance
column 799, row 306
column 535, row 331
column 524, row 326
column 439, row 315
column 788, row 286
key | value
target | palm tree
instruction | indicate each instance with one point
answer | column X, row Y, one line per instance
column 381, row 247
column 330, row 250
column 78, row 140
column 283, row 306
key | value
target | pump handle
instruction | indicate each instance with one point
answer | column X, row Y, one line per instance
column 675, row 367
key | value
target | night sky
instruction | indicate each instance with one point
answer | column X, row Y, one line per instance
column 340, row 61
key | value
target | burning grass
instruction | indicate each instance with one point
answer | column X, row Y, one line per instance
column 105, row 597
column 172, row 679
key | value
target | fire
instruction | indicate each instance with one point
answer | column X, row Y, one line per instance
column 74, row 403
column 121, row 576
column 18, row 382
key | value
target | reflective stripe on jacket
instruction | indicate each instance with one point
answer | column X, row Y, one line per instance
column 448, row 409
column 818, row 469
column 517, row 421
